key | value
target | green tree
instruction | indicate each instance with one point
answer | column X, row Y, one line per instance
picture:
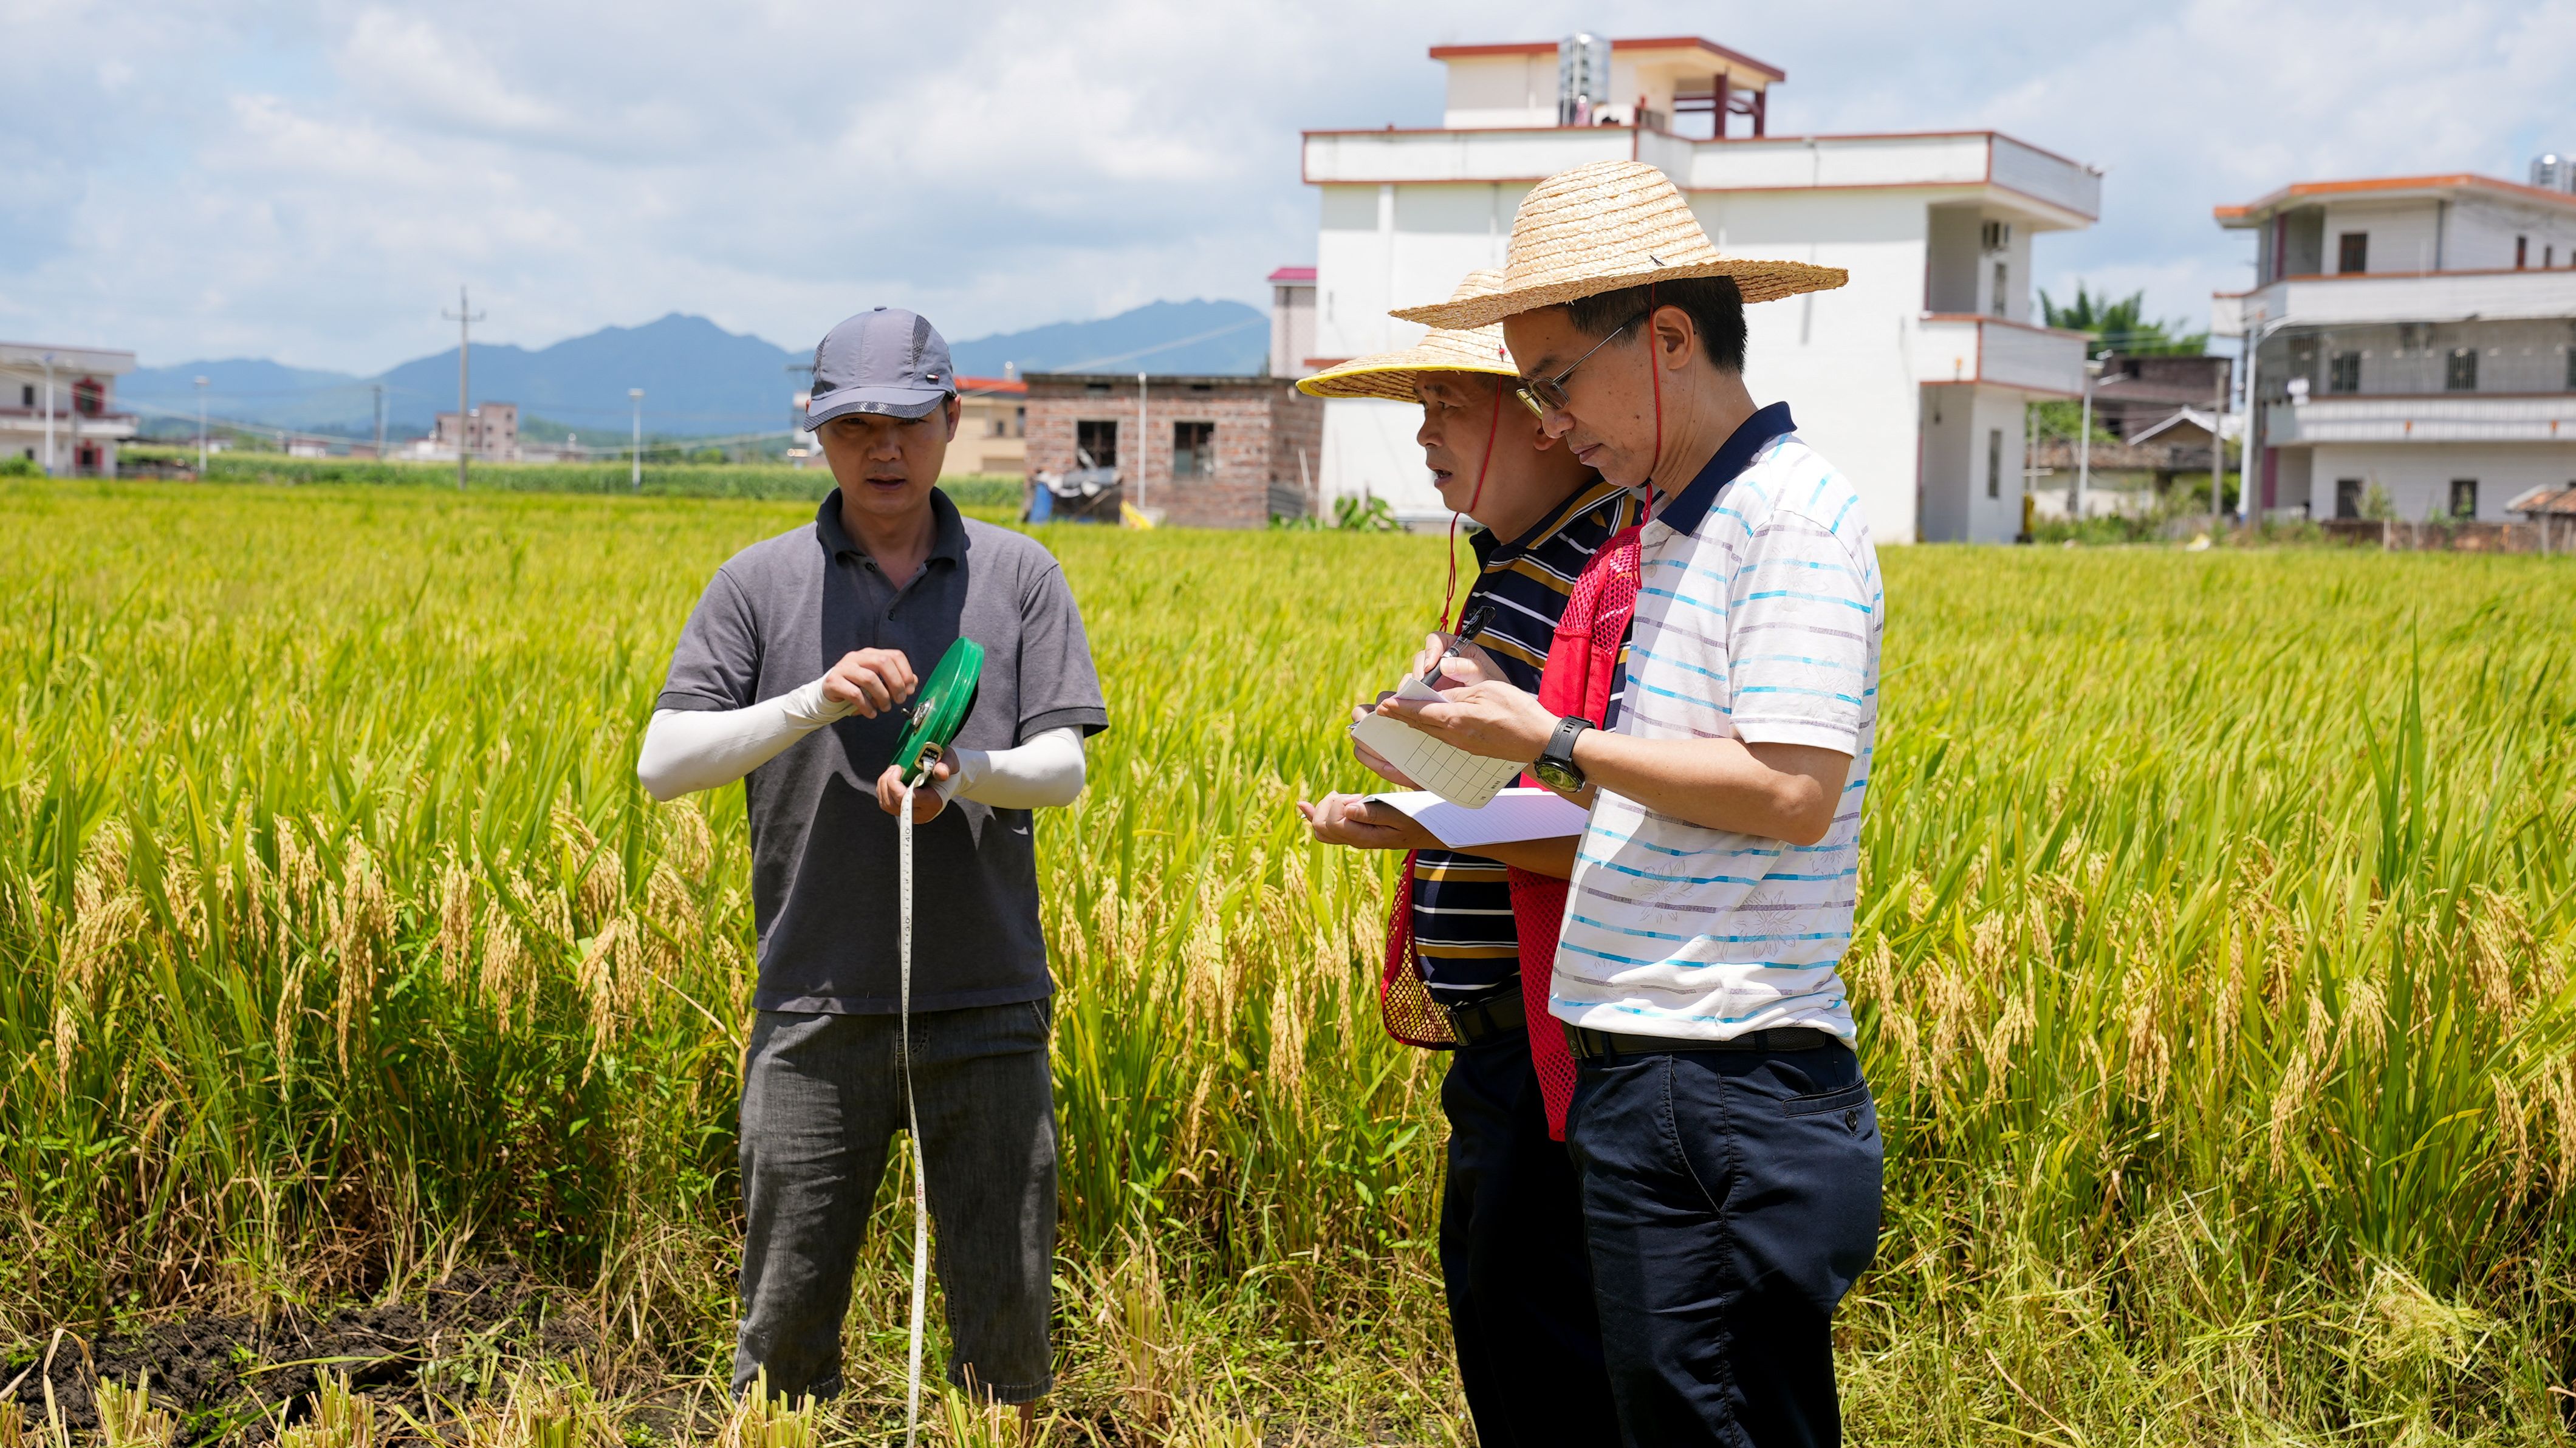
column 2117, row 326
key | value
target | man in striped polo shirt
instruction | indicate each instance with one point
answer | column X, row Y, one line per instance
column 1727, row 1144
column 1512, row 1252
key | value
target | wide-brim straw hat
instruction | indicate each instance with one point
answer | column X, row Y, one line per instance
column 1606, row 226
column 1391, row 374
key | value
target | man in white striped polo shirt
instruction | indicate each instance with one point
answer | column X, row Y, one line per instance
column 1727, row 1144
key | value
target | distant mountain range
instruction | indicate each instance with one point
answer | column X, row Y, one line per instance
column 699, row 380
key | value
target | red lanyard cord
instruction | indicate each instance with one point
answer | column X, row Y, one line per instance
column 1448, row 620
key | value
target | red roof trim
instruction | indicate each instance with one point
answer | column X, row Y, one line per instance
column 1293, row 274
column 991, row 384
column 2303, row 189
column 1660, row 42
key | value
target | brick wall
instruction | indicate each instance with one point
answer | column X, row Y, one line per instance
column 1259, row 421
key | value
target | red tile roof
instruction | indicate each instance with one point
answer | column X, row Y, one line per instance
column 991, row 384
column 1293, row 274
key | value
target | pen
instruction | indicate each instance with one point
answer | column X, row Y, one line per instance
column 1474, row 623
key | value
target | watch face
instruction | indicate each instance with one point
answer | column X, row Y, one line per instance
column 1557, row 776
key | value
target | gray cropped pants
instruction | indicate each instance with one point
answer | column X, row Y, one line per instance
column 822, row 1099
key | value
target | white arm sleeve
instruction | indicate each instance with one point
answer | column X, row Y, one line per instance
column 687, row 749
column 1045, row 771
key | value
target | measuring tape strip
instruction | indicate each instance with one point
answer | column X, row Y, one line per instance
column 947, row 697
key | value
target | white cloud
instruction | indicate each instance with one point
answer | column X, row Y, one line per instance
column 311, row 180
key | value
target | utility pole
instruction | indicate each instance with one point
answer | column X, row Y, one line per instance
column 49, row 414
column 201, row 427
column 1140, row 442
column 2084, row 445
column 2246, row 460
column 636, row 453
column 380, row 422
column 464, row 318
column 2218, row 449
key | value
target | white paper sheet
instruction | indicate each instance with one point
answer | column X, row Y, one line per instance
column 1511, row 816
column 1463, row 779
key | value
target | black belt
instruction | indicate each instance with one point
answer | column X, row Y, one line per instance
column 1588, row 1044
column 1497, row 1015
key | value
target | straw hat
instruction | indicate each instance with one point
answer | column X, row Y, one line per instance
column 1390, row 374
column 1609, row 225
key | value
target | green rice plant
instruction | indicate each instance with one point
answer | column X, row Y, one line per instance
column 2217, row 913
column 763, row 1419
column 127, row 1419
column 539, row 1411
column 338, row 1418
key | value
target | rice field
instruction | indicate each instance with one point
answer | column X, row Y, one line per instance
column 2217, row 920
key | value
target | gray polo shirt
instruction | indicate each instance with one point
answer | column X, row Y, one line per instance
column 781, row 613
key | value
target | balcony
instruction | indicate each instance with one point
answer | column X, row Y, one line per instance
column 2364, row 298
column 2049, row 190
column 1952, row 347
column 2427, row 417
column 108, row 425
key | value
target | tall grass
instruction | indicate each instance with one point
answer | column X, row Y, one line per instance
column 2216, row 925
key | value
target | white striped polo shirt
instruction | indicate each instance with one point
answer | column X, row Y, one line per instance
column 1758, row 618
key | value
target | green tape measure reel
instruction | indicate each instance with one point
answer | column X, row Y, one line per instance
column 940, row 710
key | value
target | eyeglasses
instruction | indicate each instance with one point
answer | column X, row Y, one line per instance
column 1542, row 395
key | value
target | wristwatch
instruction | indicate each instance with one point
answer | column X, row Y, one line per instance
column 1555, row 766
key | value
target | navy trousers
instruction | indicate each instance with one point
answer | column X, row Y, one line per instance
column 1730, row 1197
column 1512, row 1255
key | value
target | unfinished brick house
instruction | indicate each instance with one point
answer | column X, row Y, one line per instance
column 1217, row 452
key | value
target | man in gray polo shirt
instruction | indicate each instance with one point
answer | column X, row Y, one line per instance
column 790, row 676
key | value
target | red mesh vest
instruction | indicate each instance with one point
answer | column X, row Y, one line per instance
column 1582, row 668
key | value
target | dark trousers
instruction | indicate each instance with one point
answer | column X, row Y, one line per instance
column 1512, row 1255
column 1730, row 1197
column 822, row 1098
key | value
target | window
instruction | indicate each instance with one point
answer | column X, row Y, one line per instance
column 1997, row 307
column 27, row 395
column 2464, row 497
column 999, row 428
column 1995, row 463
column 1194, row 449
column 1019, row 422
column 2352, row 251
column 2521, row 252
column 1095, row 444
column 2571, row 369
column 1994, row 236
column 2347, row 497
column 2460, row 370
column 89, row 399
column 2343, row 372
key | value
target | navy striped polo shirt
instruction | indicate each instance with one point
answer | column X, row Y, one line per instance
column 1462, row 904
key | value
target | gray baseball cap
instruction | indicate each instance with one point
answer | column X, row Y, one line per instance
column 887, row 361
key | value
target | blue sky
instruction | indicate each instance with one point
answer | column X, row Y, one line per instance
column 310, row 181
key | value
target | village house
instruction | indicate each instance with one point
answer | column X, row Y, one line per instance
column 1206, row 452
column 58, row 407
column 489, row 432
column 1913, row 378
column 992, row 429
column 2415, row 345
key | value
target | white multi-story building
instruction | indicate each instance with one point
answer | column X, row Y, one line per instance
column 2415, row 337
column 1912, row 379
column 58, row 407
